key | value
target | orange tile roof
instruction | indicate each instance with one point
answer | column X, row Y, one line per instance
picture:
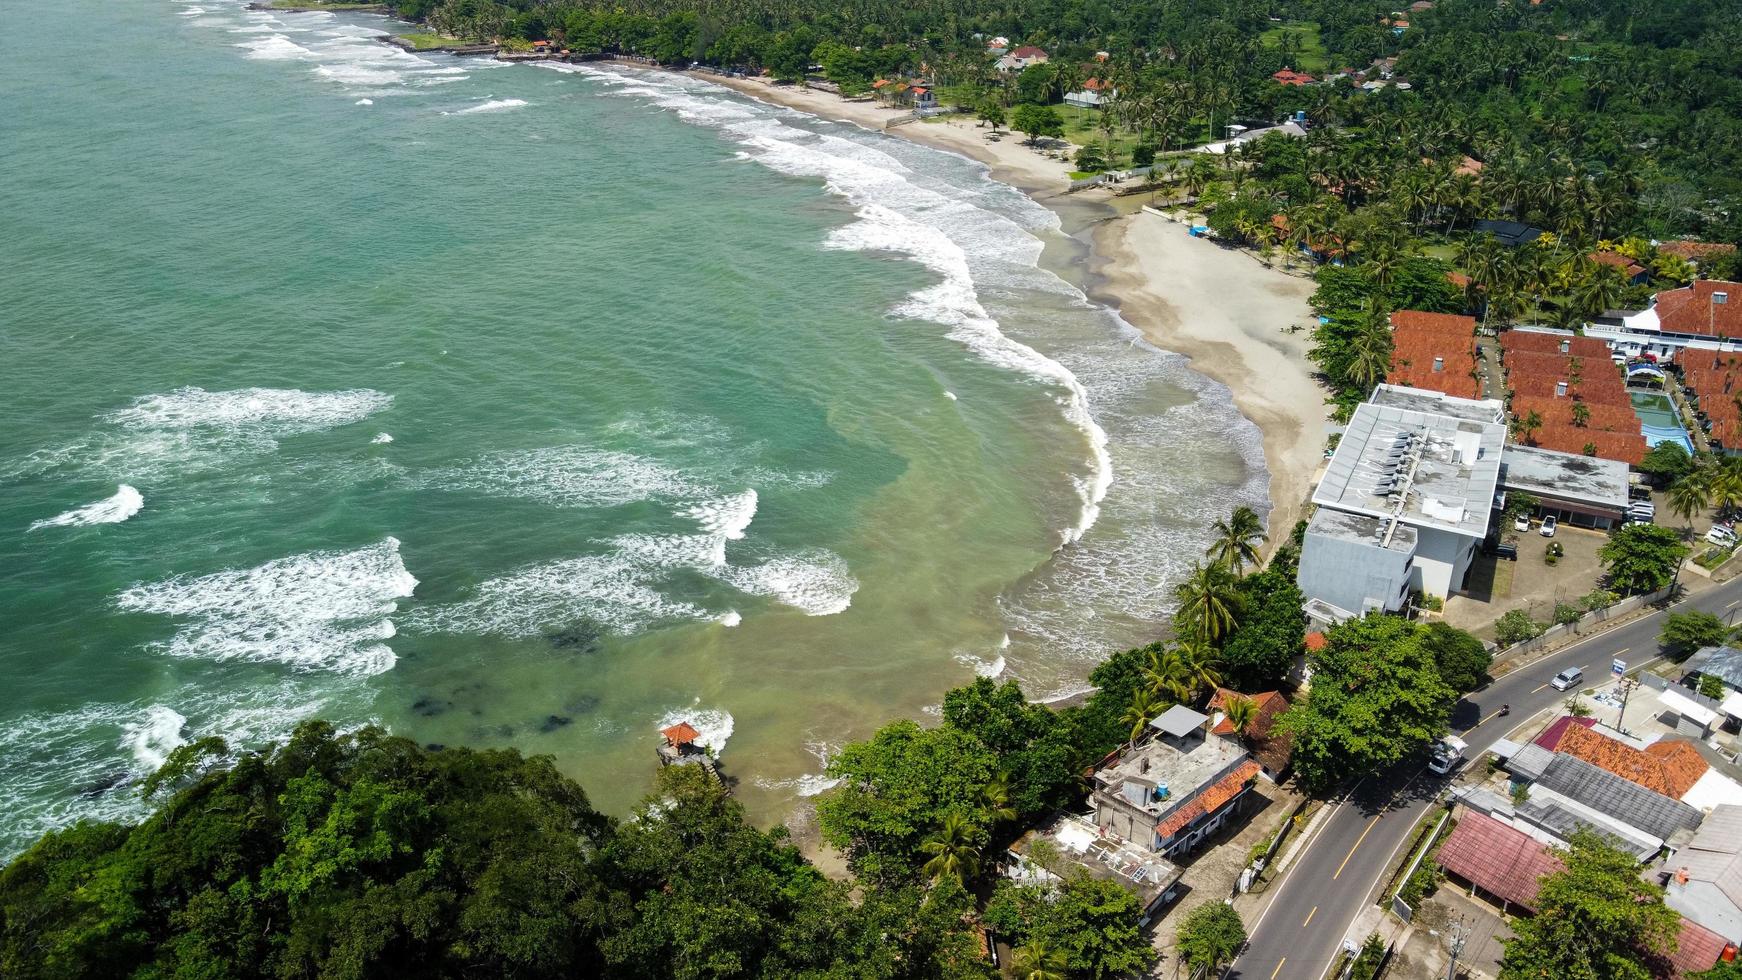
column 1619, row 261
column 1620, row 446
column 680, row 734
column 1550, row 343
column 1459, row 280
column 1270, row 747
column 1693, row 310
column 1213, row 798
column 1559, row 411
column 1670, row 767
column 1419, row 337
column 1695, row 251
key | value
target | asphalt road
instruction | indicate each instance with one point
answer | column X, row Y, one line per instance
column 1319, row 897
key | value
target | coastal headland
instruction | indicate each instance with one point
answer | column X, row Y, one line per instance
column 1240, row 322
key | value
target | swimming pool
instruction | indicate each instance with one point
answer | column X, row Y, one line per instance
column 1658, row 420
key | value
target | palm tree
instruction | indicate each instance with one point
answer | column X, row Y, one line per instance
column 1145, row 704
column 1241, row 711
column 1371, row 350
column 1197, row 667
column 954, row 851
column 1525, row 426
column 1209, row 603
column 1168, row 675
column 1581, row 415
column 1035, row 961
column 1237, row 540
column 995, row 799
column 1688, row 496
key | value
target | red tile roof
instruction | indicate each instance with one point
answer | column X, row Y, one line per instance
column 1501, row 861
column 1550, row 343
column 1551, row 736
column 1419, row 337
column 1670, row 767
column 1459, row 280
column 1289, row 76
column 680, row 734
column 1696, row 949
column 1213, row 798
column 1694, row 309
column 1696, row 251
column 1536, row 367
column 1619, row 261
column 1028, row 51
column 1271, row 748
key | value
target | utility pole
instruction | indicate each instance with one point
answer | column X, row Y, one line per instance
column 1627, row 685
column 1458, row 935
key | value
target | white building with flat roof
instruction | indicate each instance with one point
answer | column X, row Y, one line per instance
column 1405, row 501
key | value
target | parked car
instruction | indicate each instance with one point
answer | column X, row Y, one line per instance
column 1548, row 525
column 1521, row 522
column 1567, row 679
column 1447, row 754
column 1637, row 492
column 1506, row 551
column 1722, row 535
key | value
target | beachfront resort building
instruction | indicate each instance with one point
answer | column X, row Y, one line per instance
column 1411, row 494
column 1176, row 787
column 1404, row 503
column 1706, row 315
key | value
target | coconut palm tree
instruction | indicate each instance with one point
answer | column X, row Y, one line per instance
column 1371, row 350
column 1198, row 670
column 1168, row 676
column 1241, row 711
column 1035, row 961
column 955, row 853
column 1688, row 496
column 1145, row 704
column 995, row 799
column 1209, row 603
column 1237, row 540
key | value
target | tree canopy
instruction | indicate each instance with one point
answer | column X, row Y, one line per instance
column 1594, row 918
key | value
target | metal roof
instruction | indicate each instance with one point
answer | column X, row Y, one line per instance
column 1565, row 476
column 1427, row 469
column 1723, row 662
column 1178, row 721
column 1626, row 801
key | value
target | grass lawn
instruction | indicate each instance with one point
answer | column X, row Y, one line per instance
column 1081, row 128
column 1311, row 56
column 423, row 42
column 1445, row 253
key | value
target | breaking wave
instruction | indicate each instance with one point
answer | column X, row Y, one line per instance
column 124, row 504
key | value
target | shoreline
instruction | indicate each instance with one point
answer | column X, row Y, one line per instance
column 1145, row 266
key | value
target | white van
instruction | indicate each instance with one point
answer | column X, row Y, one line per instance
column 1567, row 679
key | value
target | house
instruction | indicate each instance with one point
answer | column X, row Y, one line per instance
column 1706, row 315
column 1509, row 865
column 1576, row 786
column 1703, row 880
column 1072, row 843
column 1094, row 94
column 1021, row 58
column 1724, row 663
column 1509, row 233
column 1289, row 76
column 1435, row 351
column 997, row 46
column 1631, row 269
column 1405, row 501
column 1270, row 747
column 922, row 97
column 1578, row 490
column 1575, row 391
column 1175, row 788
column 1699, row 253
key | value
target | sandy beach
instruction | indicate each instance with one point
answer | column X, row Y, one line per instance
column 1218, row 306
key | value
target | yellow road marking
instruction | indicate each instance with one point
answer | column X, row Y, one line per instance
column 1309, row 917
column 1351, row 853
column 1278, row 969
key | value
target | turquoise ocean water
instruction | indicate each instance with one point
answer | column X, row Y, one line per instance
column 535, row 406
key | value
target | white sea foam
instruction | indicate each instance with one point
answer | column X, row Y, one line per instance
column 980, row 666
column 493, row 105
column 571, row 476
column 381, row 438
column 324, row 610
column 950, row 395
column 814, row 581
column 811, row 783
column 729, row 618
column 612, row 591
column 712, row 725
column 124, row 504
column 154, row 736
column 275, row 48
column 268, row 412
column 365, row 102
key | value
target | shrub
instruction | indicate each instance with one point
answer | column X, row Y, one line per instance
column 1566, row 613
column 1516, row 627
column 1711, row 687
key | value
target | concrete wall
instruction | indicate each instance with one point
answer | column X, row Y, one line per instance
column 1348, row 573
column 1441, row 561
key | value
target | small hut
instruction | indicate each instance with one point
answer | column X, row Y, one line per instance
column 680, row 745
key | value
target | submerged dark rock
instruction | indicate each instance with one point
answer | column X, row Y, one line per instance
column 429, row 706
column 434, row 746
column 553, row 722
column 582, row 705
column 582, row 637
column 104, row 785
